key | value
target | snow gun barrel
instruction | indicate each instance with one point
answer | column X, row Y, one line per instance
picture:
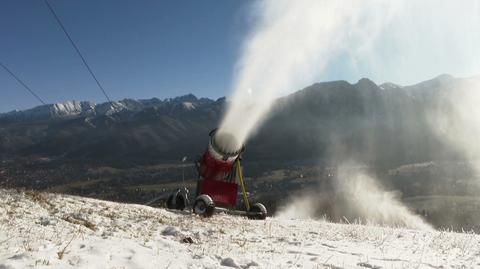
column 220, row 156
column 225, row 144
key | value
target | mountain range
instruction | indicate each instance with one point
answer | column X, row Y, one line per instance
column 385, row 125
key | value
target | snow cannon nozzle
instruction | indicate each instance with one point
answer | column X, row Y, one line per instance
column 225, row 144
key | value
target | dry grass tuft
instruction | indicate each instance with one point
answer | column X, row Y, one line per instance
column 40, row 198
column 80, row 221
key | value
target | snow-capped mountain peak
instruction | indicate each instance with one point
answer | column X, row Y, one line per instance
column 188, row 105
column 70, row 108
column 389, row 86
column 74, row 108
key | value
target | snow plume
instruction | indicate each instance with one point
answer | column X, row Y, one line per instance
column 354, row 195
column 365, row 198
column 455, row 119
column 301, row 207
column 290, row 44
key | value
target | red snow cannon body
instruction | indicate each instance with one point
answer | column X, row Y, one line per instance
column 220, row 177
column 218, row 170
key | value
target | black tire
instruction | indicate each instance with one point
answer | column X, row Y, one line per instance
column 180, row 201
column 259, row 212
column 204, row 206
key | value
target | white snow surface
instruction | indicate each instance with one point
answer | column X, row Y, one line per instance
column 188, row 105
column 67, row 108
column 39, row 230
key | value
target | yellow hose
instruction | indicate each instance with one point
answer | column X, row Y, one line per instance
column 242, row 184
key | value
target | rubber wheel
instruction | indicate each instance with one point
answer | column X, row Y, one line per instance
column 180, row 202
column 204, row 206
column 260, row 211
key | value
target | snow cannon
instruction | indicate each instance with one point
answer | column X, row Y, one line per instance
column 220, row 180
column 217, row 163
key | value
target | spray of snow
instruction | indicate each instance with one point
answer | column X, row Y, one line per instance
column 299, row 208
column 457, row 123
column 291, row 42
column 355, row 195
column 366, row 198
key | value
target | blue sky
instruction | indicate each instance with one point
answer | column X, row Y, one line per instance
column 167, row 48
column 138, row 49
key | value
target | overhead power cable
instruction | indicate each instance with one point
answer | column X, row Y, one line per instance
column 22, row 83
column 77, row 50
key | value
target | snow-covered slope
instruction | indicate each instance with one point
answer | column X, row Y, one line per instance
column 54, row 231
